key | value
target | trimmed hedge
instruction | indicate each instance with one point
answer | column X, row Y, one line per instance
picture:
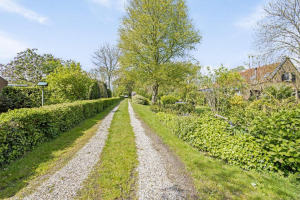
column 22, row 129
column 22, row 97
column 272, row 147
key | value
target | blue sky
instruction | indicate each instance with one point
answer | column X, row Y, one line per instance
column 73, row 29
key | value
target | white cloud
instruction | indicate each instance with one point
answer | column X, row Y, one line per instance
column 9, row 47
column 117, row 4
column 250, row 21
column 13, row 7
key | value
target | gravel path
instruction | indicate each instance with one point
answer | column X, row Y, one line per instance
column 155, row 171
column 65, row 183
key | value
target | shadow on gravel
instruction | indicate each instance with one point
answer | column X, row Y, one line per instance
column 16, row 175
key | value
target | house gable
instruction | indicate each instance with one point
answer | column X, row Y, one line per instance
column 3, row 83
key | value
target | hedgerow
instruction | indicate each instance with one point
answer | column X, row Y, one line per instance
column 269, row 143
column 22, row 129
column 22, row 97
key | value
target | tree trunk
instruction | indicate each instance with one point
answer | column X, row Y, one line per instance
column 154, row 93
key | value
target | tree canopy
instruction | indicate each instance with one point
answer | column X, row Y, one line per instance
column 278, row 33
column 69, row 82
column 155, row 33
column 30, row 67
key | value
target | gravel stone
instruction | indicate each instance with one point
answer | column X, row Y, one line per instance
column 153, row 181
column 65, row 183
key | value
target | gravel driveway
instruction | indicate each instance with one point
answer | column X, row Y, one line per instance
column 66, row 182
column 160, row 173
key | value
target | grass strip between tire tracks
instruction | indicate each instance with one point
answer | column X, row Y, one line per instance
column 213, row 178
column 114, row 176
column 48, row 157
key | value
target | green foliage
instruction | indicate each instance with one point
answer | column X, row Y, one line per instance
column 195, row 97
column 68, row 83
column 30, row 67
column 22, row 97
column 237, row 101
column 94, row 91
column 103, row 90
column 109, row 93
column 178, row 109
column 22, row 129
column 138, row 99
column 279, row 92
column 169, row 99
column 261, row 142
column 221, row 85
column 153, row 34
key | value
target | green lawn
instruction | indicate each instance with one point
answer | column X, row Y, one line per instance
column 213, row 178
column 47, row 157
column 114, row 176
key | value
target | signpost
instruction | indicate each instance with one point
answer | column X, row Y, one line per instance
column 42, row 84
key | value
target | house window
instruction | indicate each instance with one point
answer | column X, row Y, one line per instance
column 285, row 77
column 293, row 77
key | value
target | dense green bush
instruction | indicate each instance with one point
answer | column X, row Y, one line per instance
column 103, row 90
column 263, row 143
column 22, row 129
column 68, row 83
column 94, row 91
column 168, row 99
column 109, row 93
column 140, row 100
column 179, row 108
column 22, row 97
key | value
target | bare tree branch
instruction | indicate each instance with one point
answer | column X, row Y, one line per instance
column 106, row 60
column 278, row 33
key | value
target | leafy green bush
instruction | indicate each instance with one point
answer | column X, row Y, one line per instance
column 281, row 91
column 168, row 100
column 94, row 91
column 103, row 91
column 22, row 97
column 138, row 99
column 68, row 83
column 263, row 143
column 179, row 109
column 109, row 93
column 22, row 129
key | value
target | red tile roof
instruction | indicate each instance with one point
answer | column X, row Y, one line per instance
column 262, row 73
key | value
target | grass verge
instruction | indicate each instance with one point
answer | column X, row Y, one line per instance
column 47, row 157
column 213, row 178
column 114, row 176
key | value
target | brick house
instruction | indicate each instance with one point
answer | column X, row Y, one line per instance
column 264, row 76
column 3, row 83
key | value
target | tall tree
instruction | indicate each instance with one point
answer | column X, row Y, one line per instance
column 106, row 59
column 278, row 33
column 30, row 67
column 68, row 83
column 155, row 33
